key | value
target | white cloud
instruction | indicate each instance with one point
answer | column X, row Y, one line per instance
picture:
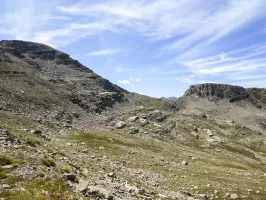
column 137, row 79
column 187, row 79
column 218, row 24
column 134, row 79
column 123, row 82
column 248, row 77
column 130, row 81
column 104, row 52
column 253, row 83
column 190, row 21
column 120, row 69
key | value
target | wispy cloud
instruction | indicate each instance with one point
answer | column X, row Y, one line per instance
column 104, row 52
column 187, row 79
column 120, row 69
column 134, row 79
column 129, row 81
column 123, row 82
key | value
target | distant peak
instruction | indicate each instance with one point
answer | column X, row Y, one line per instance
column 220, row 91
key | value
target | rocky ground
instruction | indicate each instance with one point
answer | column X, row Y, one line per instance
column 135, row 158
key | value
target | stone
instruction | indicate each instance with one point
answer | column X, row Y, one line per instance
column 130, row 188
column 70, row 184
column 133, row 130
column 172, row 105
column 133, row 119
column 233, row 196
column 210, row 133
column 6, row 187
column 184, row 162
column 203, row 115
column 98, row 192
column 161, row 118
column 70, row 177
column 195, row 134
column 7, row 167
column 82, row 186
column 139, row 107
column 37, row 132
column 120, row 125
column 111, row 174
column 143, row 121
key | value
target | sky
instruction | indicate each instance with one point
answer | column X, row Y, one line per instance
column 153, row 47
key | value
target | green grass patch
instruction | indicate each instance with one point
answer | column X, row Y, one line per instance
column 67, row 169
column 41, row 189
column 7, row 160
column 49, row 162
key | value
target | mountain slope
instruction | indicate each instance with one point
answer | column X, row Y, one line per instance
column 43, row 79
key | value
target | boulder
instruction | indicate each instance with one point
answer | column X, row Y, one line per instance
column 70, row 177
column 233, row 196
column 120, row 125
column 133, row 119
column 184, row 162
column 37, row 132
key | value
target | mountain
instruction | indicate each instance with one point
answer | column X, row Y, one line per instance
column 50, row 85
column 169, row 98
column 68, row 133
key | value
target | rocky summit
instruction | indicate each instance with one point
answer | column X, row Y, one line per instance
column 219, row 91
column 68, row 133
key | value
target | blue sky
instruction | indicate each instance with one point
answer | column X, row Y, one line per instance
column 152, row 47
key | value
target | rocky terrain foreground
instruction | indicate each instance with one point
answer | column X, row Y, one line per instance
column 67, row 133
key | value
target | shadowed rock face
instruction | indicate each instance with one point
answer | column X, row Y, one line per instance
column 220, row 91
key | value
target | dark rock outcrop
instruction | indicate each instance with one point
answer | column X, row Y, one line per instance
column 218, row 91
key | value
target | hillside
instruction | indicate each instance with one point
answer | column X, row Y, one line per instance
column 68, row 133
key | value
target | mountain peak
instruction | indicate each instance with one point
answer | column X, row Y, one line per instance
column 31, row 50
column 220, row 91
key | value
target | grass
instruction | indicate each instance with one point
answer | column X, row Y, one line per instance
column 49, row 162
column 33, row 141
column 225, row 173
column 3, row 174
column 67, row 169
column 40, row 189
column 7, row 160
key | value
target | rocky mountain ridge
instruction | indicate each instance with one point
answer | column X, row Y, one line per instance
column 219, row 91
